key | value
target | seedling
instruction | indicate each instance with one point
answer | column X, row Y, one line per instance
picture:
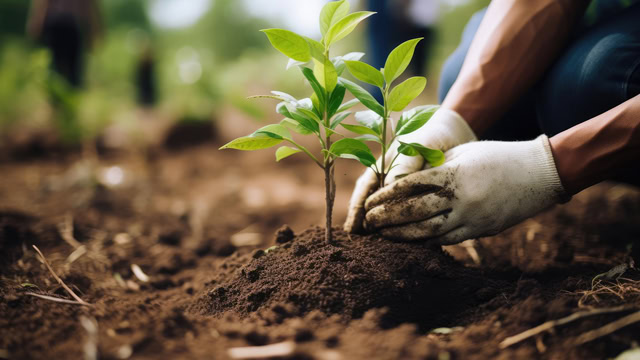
column 321, row 113
column 375, row 122
column 324, row 110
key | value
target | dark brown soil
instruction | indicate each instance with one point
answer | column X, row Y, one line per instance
column 416, row 283
column 184, row 217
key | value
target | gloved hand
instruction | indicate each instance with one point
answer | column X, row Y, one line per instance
column 481, row 189
column 443, row 131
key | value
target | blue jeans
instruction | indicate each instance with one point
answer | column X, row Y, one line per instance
column 598, row 70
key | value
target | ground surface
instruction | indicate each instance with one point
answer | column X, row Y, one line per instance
column 194, row 220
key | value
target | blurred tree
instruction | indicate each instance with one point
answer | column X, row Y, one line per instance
column 126, row 13
column 229, row 32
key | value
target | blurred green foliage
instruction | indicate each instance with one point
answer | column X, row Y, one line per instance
column 200, row 70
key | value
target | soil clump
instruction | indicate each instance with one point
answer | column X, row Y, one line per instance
column 415, row 282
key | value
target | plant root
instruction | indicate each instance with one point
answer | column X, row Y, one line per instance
column 68, row 289
column 624, row 289
column 559, row 322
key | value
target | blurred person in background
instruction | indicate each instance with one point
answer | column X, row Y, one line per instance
column 68, row 28
column 395, row 22
column 145, row 77
column 567, row 69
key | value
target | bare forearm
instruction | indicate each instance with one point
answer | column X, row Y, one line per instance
column 597, row 149
column 517, row 40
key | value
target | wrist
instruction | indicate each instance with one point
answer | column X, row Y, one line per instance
column 547, row 175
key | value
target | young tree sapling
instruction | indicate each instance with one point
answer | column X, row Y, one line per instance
column 375, row 122
column 324, row 110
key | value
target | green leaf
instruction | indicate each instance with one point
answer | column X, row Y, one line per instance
column 353, row 56
column 414, row 119
column 331, row 131
column 370, row 120
column 432, row 156
column 338, row 61
column 282, row 109
column 291, row 63
column 315, row 85
column 368, row 137
column 310, row 114
column 353, row 149
column 306, row 122
column 399, row 59
column 295, row 126
column 345, row 26
column 275, row 131
column 284, row 96
column 285, row 151
column 290, row 110
column 361, row 94
column 359, row 129
column 335, row 100
column 257, row 142
column 365, row 72
column 338, row 119
column 331, row 13
column 348, row 105
column 316, row 49
column 289, row 43
column 326, row 74
column 405, row 92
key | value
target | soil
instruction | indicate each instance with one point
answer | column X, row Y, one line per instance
column 417, row 283
column 200, row 224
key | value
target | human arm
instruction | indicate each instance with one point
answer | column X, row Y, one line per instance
column 599, row 148
column 515, row 43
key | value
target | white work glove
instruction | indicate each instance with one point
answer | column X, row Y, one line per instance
column 481, row 189
column 443, row 131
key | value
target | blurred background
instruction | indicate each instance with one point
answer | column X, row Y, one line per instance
column 137, row 73
column 112, row 111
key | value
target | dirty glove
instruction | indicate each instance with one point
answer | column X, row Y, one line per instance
column 443, row 131
column 481, row 189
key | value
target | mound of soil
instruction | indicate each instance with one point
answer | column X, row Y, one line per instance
column 416, row 282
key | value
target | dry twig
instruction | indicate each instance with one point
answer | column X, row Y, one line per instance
column 68, row 289
column 52, row 298
column 558, row 322
column 258, row 352
column 607, row 329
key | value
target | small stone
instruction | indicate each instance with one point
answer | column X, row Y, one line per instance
column 258, row 254
column 284, row 234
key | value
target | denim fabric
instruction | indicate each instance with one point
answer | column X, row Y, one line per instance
column 598, row 70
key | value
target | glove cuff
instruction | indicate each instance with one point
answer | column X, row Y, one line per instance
column 548, row 177
column 458, row 127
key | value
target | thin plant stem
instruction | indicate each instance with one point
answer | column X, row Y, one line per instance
column 68, row 289
column 329, row 181
column 383, row 171
column 306, row 151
